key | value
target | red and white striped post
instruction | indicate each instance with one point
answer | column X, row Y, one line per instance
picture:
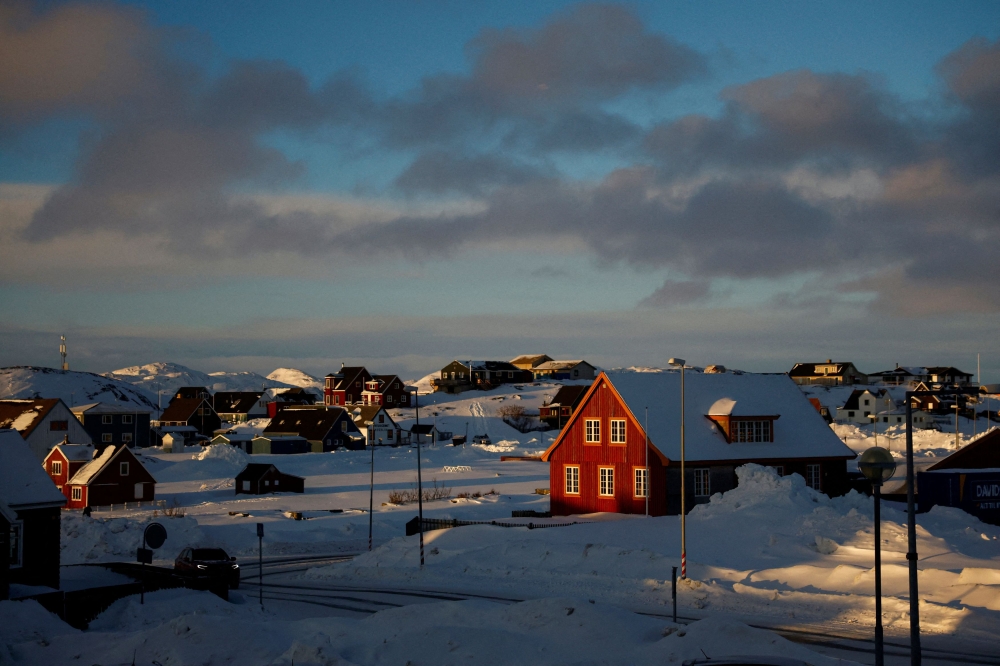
column 684, row 565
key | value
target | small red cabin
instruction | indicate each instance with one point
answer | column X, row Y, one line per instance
column 65, row 460
column 115, row 477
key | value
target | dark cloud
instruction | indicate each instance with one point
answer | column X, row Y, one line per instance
column 440, row 172
column 677, row 293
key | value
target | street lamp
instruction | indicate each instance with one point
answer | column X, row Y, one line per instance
column 679, row 362
column 420, row 485
column 878, row 466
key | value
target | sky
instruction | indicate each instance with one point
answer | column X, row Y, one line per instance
column 398, row 184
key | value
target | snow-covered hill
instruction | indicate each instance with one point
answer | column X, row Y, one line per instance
column 296, row 378
column 168, row 377
column 74, row 388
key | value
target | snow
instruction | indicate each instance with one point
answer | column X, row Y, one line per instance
column 76, row 452
column 296, row 378
column 73, row 388
column 800, row 432
column 87, row 472
column 23, row 482
column 167, row 378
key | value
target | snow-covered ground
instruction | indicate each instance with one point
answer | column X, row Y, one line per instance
column 73, row 388
column 772, row 551
column 166, row 378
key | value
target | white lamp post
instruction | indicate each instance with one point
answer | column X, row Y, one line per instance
column 679, row 362
column 878, row 466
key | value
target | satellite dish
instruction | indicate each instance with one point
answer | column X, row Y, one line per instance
column 154, row 535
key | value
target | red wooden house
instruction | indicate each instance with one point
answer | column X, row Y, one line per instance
column 346, row 387
column 114, row 477
column 599, row 461
column 385, row 390
column 64, row 461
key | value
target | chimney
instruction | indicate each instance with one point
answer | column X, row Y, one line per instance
column 829, row 360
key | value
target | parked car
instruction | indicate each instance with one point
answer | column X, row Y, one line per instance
column 482, row 439
column 208, row 564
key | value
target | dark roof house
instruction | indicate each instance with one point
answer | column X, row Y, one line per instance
column 828, row 373
column 261, row 478
column 325, row 428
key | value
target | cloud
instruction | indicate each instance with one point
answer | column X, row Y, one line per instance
column 439, row 172
column 675, row 292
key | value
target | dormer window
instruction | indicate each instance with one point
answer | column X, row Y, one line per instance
column 758, row 430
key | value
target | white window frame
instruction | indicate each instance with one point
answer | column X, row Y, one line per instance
column 123, row 469
column 641, row 482
column 592, row 431
column 618, row 429
column 16, row 542
column 606, row 481
column 76, row 492
column 57, row 466
column 572, row 478
column 750, row 430
column 127, row 437
column 246, row 486
column 107, row 437
column 780, row 470
column 107, row 419
column 126, row 418
column 702, row 482
column 814, row 476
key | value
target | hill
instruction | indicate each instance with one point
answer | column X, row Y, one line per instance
column 296, row 378
column 74, row 388
column 168, row 377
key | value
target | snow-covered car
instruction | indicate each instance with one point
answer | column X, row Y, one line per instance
column 208, row 564
column 482, row 439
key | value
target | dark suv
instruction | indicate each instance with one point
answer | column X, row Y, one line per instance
column 209, row 564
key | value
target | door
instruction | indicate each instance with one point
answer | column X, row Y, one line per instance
column 138, row 491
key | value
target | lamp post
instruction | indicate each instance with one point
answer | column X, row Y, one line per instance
column 878, row 466
column 680, row 362
column 420, row 486
column 371, row 487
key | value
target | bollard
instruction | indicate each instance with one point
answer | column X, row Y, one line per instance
column 673, row 590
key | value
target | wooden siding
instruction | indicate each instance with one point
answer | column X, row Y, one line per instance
column 604, row 405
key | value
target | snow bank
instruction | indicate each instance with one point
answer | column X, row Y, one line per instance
column 100, row 539
column 219, row 461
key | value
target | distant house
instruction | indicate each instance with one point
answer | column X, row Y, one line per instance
column 115, row 476
column 197, row 413
column 385, row 390
column 114, row 424
column 863, row 404
column 261, row 478
column 377, row 426
column 529, row 361
column 346, row 386
column 280, row 445
column 42, row 423
column 829, row 373
column 943, row 375
column 65, row 460
column 292, row 396
column 192, row 392
column 241, row 440
column 564, row 370
column 240, row 406
column 325, row 428
column 600, row 460
column 557, row 411
column 968, row 479
column 460, row 376
column 948, row 375
column 29, row 518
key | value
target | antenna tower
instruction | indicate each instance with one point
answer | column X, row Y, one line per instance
column 62, row 351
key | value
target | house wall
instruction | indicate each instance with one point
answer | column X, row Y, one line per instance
column 40, row 548
column 4, row 558
column 51, row 431
column 604, row 405
column 207, row 423
column 97, row 429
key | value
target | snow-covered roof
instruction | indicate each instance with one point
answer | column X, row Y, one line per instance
column 799, row 430
column 90, row 470
column 23, row 482
column 76, row 452
column 109, row 408
column 559, row 365
column 24, row 415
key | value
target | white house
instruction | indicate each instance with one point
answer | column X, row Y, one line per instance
column 42, row 423
column 863, row 404
column 377, row 426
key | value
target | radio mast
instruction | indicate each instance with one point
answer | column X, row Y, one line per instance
column 62, row 351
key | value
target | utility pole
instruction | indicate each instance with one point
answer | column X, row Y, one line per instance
column 645, row 428
column 371, row 491
column 680, row 362
column 62, row 352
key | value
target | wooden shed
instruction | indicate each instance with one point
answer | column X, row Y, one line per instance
column 262, row 478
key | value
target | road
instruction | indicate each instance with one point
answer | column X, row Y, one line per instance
column 283, row 585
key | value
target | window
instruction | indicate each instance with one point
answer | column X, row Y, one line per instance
column 58, row 425
column 510, row 375
column 106, row 437
column 780, row 470
column 593, row 428
column 396, row 385
column 388, row 435
column 57, row 467
column 246, row 486
column 381, row 418
column 607, row 481
column 267, row 483
column 106, row 419
column 123, row 469
column 343, row 426
column 336, row 399
column 702, row 487
column 403, row 399
column 388, row 398
column 127, row 437
column 867, row 403
column 750, row 431
column 16, row 530
column 77, row 493
column 277, row 482
column 139, row 490
column 813, row 477
column 572, row 480
column 641, row 488
column 327, row 400
column 617, row 431
column 126, row 418
column 850, row 414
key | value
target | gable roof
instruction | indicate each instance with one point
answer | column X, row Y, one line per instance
column 364, row 413
column 312, row 424
column 560, row 365
column 254, row 471
column 567, row 396
column 349, row 375
column 235, row 402
column 799, row 430
column 494, row 366
column 946, row 370
column 532, row 359
column 25, row 415
column 91, row 470
column 981, row 453
column 809, row 369
column 182, row 409
column 107, row 408
column 73, row 452
column 23, row 482
column 852, row 400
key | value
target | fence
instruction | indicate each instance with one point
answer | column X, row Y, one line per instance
column 456, row 468
column 413, row 526
column 131, row 506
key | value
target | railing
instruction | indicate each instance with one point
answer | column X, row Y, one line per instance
column 412, row 527
column 131, row 506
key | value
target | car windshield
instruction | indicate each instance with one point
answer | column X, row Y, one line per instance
column 210, row 554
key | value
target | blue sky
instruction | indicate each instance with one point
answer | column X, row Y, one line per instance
column 398, row 184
